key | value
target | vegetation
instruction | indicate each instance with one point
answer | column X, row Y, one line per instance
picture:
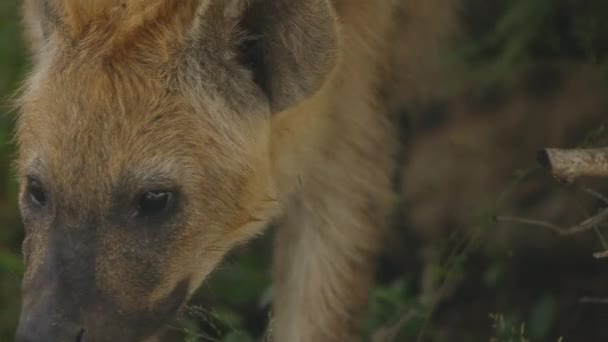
column 12, row 68
column 471, row 290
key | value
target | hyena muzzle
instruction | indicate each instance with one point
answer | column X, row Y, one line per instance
column 154, row 136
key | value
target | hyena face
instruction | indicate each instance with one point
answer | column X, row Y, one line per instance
column 144, row 150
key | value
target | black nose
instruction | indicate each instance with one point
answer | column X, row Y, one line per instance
column 49, row 332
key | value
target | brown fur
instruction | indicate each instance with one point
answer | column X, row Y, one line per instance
column 250, row 111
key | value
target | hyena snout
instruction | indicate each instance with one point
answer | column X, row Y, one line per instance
column 69, row 295
column 47, row 316
column 58, row 312
column 53, row 290
column 38, row 328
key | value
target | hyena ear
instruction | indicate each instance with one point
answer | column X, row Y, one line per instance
column 121, row 18
column 291, row 46
column 38, row 20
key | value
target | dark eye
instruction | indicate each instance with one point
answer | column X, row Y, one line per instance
column 36, row 193
column 154, row 202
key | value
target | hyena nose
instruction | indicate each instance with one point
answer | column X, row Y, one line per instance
column 49, row 332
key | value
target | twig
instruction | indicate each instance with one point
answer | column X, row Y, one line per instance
column 530, row 222
column 390, row 333
column 581, row 227
column 594, row 193
column 591, row 300
column 569, row 164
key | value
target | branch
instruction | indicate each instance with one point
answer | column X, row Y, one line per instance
column 600, row 255
column 567, row 165
column 573, row 163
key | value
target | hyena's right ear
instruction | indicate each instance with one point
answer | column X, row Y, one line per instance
column 291, row 46
column 115, row 20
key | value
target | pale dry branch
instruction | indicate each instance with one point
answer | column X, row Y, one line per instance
column 600, row 255
column 569, row 164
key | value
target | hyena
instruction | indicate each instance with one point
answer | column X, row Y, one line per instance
column 156, row 135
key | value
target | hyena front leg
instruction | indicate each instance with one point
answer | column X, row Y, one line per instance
column 326, row 249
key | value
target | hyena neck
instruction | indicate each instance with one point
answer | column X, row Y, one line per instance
column 333, row 162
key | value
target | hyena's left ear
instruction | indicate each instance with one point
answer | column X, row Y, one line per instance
column 297, row 49
column 290, row 45
column 38, row 18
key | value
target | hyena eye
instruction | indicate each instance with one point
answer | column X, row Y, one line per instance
column 36, row 193
column 154, row 202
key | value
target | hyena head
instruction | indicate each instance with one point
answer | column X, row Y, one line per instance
column 144, row 150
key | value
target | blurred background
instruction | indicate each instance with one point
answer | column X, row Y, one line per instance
column 515, row 76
